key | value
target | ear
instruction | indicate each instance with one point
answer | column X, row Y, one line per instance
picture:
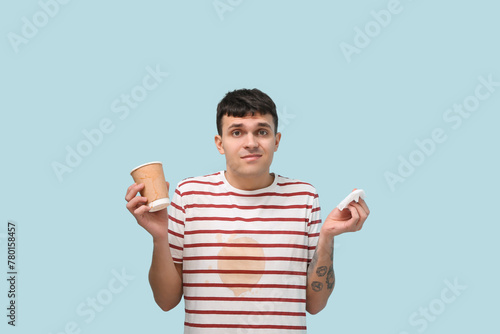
column 218, row 143
column 277, row 142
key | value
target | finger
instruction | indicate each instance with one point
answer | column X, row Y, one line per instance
column 133, row 190
column 128, row 189
column 361, row 209
column 354, row 219
column 362, row 216
column 136, row 202
column 363, row 204
column 141, row 210
column 129, row 195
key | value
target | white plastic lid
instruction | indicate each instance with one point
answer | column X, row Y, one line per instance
column 353, row 196
column 149, row 163
column 159, row 204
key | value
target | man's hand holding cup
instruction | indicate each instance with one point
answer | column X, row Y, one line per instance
column 149, row 208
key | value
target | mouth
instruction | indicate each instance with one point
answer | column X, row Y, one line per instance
column 251, row 157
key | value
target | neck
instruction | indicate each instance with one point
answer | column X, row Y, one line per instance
column 249, row 183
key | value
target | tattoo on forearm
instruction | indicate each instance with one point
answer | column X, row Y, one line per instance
column 317, row 286
column 321, row 271
column 330, row 278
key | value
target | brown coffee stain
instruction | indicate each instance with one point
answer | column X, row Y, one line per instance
column 238, row 264
column 153, row 182
column 151, row 185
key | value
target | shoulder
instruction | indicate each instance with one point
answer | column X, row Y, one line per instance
column 205, row 180
column 289, row 184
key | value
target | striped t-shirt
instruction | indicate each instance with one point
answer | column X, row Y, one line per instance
column 244, row 254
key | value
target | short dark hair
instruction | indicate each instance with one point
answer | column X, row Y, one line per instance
column 242, row 102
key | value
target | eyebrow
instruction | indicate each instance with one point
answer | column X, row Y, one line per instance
column 239, row 125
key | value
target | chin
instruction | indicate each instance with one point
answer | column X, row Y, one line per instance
column 258, row 173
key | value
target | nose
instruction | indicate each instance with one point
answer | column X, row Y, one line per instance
column 251, row 141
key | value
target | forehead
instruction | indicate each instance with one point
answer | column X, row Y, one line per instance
column 247, row 121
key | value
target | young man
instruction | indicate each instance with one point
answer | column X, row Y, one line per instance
column 245, row 247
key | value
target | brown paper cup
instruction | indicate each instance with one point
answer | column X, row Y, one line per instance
column 155, row 187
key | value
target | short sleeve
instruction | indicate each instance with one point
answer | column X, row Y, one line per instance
column 313, row 226
column 176, row 219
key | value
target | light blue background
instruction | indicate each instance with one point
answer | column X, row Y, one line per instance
column 346, row 125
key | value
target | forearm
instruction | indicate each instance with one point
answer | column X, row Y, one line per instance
column 164, row 277
column 320, row 275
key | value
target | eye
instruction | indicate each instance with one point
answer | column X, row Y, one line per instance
column 236, row 133
column 263, row 132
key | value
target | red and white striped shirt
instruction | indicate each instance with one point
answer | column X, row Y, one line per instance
column 244, row 254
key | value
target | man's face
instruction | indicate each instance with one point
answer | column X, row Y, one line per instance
column 249, row 144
